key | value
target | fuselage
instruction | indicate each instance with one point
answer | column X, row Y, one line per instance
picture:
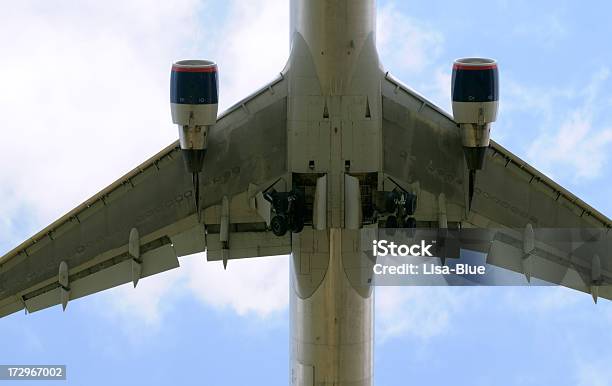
column 334, row 132
column 335, row 33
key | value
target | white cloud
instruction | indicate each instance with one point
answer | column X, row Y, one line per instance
column 404, row 43
column 439, row 89
column 85, row 87
column 542, row 301
column 410, row 49
column 576, row 145
column 147, row 299
column 252, row 47
column 84, row 96
column 140, row 311
column 576, row 136
column 419, row 312
column 249, row 286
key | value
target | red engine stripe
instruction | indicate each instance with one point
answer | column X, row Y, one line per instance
column 458, row 66
column 194, row 69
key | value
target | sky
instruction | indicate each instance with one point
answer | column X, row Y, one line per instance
column 84, row 99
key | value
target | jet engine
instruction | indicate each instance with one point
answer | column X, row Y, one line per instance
column 475, row 95
column 194, row 103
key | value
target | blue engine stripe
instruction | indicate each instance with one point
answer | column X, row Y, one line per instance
column 475, row 85
column 194, row 88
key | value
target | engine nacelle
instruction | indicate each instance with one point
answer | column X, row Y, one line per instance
column 475, row 96
column 194, row 104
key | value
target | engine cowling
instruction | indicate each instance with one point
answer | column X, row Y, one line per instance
column 475, row 101
column 194, row 99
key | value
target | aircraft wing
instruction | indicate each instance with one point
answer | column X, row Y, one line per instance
column 139, row 225
column 537, row 227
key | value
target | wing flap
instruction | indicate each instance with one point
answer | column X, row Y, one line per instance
column 190, row 241
column 512, row 258
column 154, row 261
column 552, row 269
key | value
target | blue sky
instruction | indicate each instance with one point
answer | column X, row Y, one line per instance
column 88, row 80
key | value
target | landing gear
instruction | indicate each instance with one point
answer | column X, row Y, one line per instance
column 401, row 206
column 391, row 222
column 409, row 222
column 297, row 224
column 287, row 211
column 279, row 225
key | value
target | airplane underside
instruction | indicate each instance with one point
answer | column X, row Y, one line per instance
column 332, row 147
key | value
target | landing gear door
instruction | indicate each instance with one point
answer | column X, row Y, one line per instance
column 352, row 203
column 319, row 207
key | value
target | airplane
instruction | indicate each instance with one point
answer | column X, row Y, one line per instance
column 334, row 145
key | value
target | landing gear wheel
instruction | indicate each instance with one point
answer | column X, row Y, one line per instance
column 279, row 225
column 410, row 222
column 391, row 222
column 298, row 225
